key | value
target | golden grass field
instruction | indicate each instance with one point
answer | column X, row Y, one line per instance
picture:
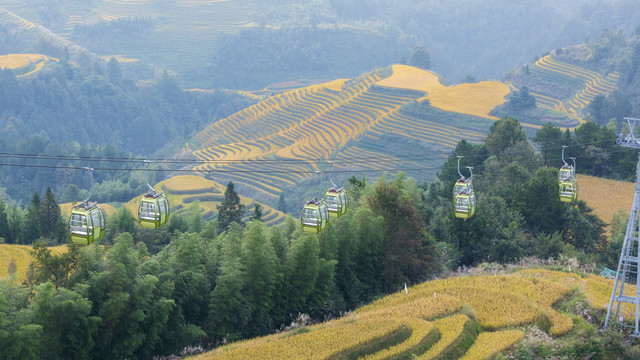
column 605, row 196
column 432, row 317
column 16, row 61
column 19, row 255
column 476, row 99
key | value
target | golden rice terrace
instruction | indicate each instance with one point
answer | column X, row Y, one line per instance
column 470, row 317
column 365, row 125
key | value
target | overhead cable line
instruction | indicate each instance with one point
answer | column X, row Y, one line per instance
column 343, row 159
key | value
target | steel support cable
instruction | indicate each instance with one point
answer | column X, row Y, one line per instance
column 346, row 159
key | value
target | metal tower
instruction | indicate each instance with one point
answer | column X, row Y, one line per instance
column 628, row 273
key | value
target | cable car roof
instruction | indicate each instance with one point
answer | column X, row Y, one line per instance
column 86, row 205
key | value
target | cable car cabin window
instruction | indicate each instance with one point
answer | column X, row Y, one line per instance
column 332, row 202
column 310, row 217
column 161, row 206
column 564, row 174
column 78, row 224
column 343, row 198
column 147, row 211
column 567, row 189
column 95, row 218
column 166, row 205
column 473, row 200
column 103, row 217
column 458, row 189
column 462, row 204
column 324, row 212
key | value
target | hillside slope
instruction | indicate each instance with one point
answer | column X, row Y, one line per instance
column 470, row 317
column 366, row 125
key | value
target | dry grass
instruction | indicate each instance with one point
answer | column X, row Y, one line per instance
column 409, row 77
column 473, row 99
column 605, row 196
column 187, row 183
column 20, row 256
column 16, row 61
column 498, row 302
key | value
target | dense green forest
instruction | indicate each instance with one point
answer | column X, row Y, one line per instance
column 192, row 285
column 97, row 106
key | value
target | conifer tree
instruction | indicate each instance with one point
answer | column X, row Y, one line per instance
column 282, row 204
column 32, row 227
column 50, row 215
column 230, row 210
column 257, row 212
column 4, row 223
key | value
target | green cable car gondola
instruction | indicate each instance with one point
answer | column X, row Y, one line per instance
column 567, row 184
column 154, row 209
column 87, row 221
column 465, row 205
column 568, row 191
column 337, row 201
column 464, row 200
column 315, row 216
column 462, row 185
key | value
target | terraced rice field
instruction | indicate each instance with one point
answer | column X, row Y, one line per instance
column 183, row 190
column 429, row 321
column 568, row 76
column 20, row 257
column 24, row 64
column 605, row 196
column 283, row 140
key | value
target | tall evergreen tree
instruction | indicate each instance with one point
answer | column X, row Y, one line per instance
column 4, row 223
column 257, row 212
column 32, row 226
column 230, row 210
column 282, row 204
column 50, row 215
column 260, row 263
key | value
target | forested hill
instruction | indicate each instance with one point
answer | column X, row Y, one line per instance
column 223, row 43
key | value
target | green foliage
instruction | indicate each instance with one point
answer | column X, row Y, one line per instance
column 230, row 210
column 503, row 134
column 420, row 57
column 521, row 99
column 53, row 268
column 257, row 212
column 407, row 253
column 550, row 139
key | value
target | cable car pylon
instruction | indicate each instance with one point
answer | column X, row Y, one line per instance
column 627, row 273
